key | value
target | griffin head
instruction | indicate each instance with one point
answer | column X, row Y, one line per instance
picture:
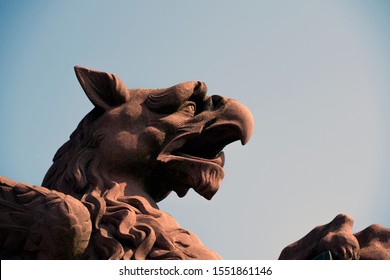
column 159, row 139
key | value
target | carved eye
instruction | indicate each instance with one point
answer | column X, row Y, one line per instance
column 192, row 106
column 189, row 107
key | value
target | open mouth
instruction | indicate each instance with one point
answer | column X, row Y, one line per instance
column 208, row 146
column 197, row 160
column 195, row 157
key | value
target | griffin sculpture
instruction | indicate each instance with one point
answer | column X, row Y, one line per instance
column 99, row 198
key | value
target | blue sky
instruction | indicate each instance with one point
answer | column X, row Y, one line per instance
column 314, row 74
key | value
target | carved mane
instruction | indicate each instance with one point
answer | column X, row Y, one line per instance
column 71, row 171
column 123, row 227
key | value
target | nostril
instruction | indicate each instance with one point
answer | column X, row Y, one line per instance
column 218, row 101
column 209, row 103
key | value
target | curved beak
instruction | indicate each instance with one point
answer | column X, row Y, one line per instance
column 238, row 118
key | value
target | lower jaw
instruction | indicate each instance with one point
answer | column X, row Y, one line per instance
column 203, row 177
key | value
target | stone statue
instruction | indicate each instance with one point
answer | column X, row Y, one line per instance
column 372, row 243
column 98, row 199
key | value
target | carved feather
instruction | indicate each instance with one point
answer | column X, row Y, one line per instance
column 38, row 223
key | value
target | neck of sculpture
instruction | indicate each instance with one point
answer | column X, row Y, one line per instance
column 129, row 186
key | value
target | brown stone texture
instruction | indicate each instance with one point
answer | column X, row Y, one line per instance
column 37, row 223
column 98, row 199
column 372, row 243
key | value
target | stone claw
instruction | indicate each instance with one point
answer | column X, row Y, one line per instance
column 342, row 246
column 339, row 239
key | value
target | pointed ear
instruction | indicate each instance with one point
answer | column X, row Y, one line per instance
column 103, row 89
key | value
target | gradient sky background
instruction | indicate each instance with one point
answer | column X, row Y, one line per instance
column 315, row 74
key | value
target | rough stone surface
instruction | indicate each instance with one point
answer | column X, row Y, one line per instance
column 99, row 198
column 372, row 243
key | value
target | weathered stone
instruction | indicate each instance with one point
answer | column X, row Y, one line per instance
column 99, row 198
column 337, row 238
column 129, row 152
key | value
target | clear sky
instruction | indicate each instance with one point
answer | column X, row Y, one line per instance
column 315, row 74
